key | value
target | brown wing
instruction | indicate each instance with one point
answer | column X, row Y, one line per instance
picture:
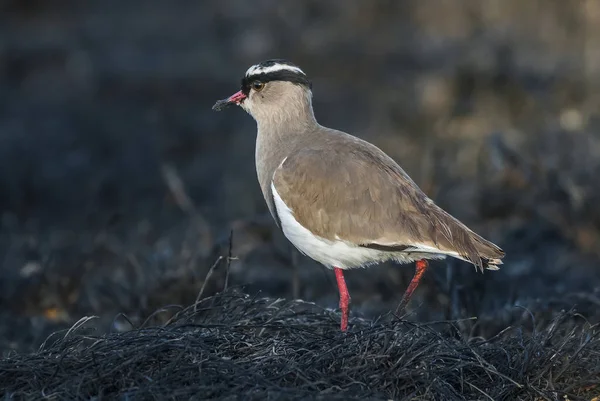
column 355, row 192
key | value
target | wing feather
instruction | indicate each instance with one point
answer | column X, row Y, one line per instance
column 356, row 193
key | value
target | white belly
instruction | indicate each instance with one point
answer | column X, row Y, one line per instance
column 336, row 253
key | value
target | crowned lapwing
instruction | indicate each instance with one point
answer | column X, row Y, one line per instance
column 339, row 199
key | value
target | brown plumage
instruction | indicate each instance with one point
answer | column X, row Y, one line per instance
column 339, row 199
column 341, row 186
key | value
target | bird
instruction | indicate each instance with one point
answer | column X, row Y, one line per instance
column 339, row 199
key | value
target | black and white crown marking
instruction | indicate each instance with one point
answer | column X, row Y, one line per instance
column 271, row 66
column 274, row 70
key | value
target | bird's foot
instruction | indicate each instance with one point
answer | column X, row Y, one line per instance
column 344, row 297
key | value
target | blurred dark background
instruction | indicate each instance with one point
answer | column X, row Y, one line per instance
column 120, row 187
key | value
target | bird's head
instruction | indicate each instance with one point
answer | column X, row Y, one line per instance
column 273, row 89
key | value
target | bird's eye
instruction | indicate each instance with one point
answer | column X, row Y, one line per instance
column 258, row 86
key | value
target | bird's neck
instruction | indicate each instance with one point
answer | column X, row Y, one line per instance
column 277, row 138
column 284, row 130
column 295, row 115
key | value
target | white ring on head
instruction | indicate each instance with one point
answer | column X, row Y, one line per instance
column 258, row 69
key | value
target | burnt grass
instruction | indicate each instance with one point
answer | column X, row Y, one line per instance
column 233, row 346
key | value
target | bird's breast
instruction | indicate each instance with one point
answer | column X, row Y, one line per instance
column 268, row 157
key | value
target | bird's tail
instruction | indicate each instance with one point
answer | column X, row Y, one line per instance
column 490, row 254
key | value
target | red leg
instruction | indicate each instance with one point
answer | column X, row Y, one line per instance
column 420, row 270
column 344, row 296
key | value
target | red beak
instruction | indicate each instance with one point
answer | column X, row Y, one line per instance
column 236, row 98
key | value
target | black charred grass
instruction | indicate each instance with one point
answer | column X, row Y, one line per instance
column 233, row 346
